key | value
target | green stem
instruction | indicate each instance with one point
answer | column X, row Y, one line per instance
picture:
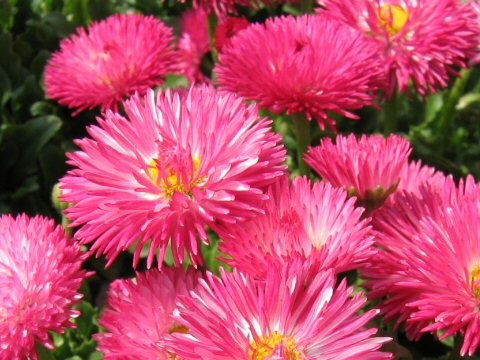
column 302, row 133
column 457, row 346
column 212, row 28
column 389, row 116
column 451, row 101
column 306, row 6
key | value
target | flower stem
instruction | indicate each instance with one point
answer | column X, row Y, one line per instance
column 389, row 116
column 302, row 133
column 457, row 346
column 450, row 102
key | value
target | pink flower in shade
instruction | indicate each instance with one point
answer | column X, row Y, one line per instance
column 139, row 314
column 194, row 43
column 369, row 168
column 300, row 220
column 296, row 313
column 423, row 41
column 228, row 28
column 110, row 61
column 399, row 226
column 309, row 64
column 181, row 162
column 40, row 275
column 415, row 175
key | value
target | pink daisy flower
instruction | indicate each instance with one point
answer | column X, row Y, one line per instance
column 369, row 167
column 40, row 275
column 194, row 43
column 423, row 41
column 183, row 161
column 398, row 224
column 309, row 64
column 139, row 314
column 300, row 220
column 110, row 61
column 227, row 29
column 296, row 313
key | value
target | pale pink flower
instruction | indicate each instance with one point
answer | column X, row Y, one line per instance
column 139, row 314
column 369, row 167
column 110, row 61
column 300, row 220
column 182, row 161
column 194, row 44
column 296, row 313
column 308, row 64
column 399, row 226
column 423, row 41
column 40, row 277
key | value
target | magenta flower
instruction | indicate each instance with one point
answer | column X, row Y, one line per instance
column 40, row 275
column 423, row 41
column 300, row 220
column 296, row 313
column 404, row 229
column 194, row 43
column 110, row 61
column 183, row 161
column 369, row 168
column 308, row 64
column 139, row 314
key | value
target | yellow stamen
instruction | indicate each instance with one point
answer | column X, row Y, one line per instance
column 393, row 18
column 172, row 183
column 267, row 345
column 177, row 329
column 475, row 279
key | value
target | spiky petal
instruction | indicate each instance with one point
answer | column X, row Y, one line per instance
column 183, row 161
column 40, row 277
column 296, row 313
column 308, row 64
column 111, row 60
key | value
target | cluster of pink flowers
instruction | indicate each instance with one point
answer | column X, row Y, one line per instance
column 160, row 171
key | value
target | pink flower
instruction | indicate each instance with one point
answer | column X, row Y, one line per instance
column 416, row 175
column 400, row 227
column 296, row 313
column 369, row 168
column 228, row 28
column 194, row 43
column 110, row 61
column 308, row 64
column 300, row 220
column 423, row 41
column 40, row 275
column 183, row 161
column 139, row 314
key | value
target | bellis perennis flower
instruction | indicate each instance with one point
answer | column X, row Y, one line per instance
column 308, row 64
column 40, row 275
column 300, row 220
column 296, row 313
column 183, row 161
column 423, row 40
column 110, row 61
column 369, row 168
column 139, row 314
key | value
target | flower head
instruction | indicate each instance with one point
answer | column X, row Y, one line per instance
column 194, row 43
column 228, row 28
column 110, row 61
column 149, row 301
column 369, row 168
column 296, row 313
column 300, row 220
column 401, row 235
column 40, row 275
column 423, row 41
column 183, row 161
column 308, row 64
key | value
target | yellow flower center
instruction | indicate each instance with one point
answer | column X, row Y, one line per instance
column 173, row 183
column 268, row 345
column 177, row 329
column 475, row 280
column 393, row 18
